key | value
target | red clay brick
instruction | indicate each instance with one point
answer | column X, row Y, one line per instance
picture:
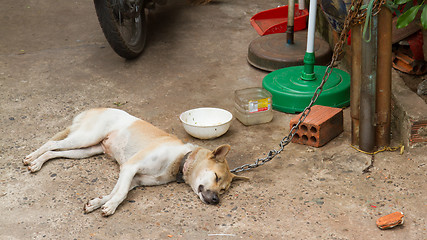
column 418, row 132
column 321, row 126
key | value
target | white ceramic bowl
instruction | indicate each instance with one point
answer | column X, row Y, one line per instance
column 206, row 123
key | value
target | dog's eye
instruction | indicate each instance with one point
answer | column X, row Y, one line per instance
column 217, row 178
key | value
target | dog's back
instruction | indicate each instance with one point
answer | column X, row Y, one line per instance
column 101, row 120
column 140, row 136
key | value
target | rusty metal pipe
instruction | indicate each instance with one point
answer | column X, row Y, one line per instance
column 290, row 27
column 356, row 78
column 383, row 86
column 368, row 89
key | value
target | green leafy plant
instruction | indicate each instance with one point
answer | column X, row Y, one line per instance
column 410, row 14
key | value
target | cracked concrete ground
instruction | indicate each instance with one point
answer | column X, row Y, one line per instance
column 55, row 62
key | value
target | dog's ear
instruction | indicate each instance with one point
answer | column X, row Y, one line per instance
column 237, row 177
column 220, row 152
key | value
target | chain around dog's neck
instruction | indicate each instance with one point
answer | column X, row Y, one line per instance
column 180, row 174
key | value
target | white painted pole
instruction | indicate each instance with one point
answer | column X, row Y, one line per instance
column 311, row 26
column 301, row 4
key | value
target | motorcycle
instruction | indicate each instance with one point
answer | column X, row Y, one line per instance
column 124, row 24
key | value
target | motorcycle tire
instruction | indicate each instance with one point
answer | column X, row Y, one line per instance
column 126, row 35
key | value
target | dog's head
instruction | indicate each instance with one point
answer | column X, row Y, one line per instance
column 208, row 174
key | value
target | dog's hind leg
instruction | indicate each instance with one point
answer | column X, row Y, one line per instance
column 66, row 140
column 88, row 129
column 59, row 136
column 36, row 164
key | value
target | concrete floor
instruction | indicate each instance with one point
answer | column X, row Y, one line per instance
column 55, row 62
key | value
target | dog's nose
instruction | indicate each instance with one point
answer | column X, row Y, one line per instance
column 215, row 199
column 209, row 197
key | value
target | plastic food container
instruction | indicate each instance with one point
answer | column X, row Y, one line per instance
column 253, row 106
column 206, row 123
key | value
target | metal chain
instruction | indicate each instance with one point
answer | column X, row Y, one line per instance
column 353, row 16
column 360, row 16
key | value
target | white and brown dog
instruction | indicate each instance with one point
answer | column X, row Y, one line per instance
column 146, row 154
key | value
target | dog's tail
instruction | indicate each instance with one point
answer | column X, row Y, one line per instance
column 61, row 135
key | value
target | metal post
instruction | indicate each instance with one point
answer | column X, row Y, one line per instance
column 383, row 91
column 356, row 78
column 290, row 27
column 367, row 91
column 301, row 4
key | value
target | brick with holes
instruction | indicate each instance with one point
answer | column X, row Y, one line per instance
column 321, row 126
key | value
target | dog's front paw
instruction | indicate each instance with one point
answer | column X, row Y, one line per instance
column 108, row 209
column 93, row 204
column 88, row 208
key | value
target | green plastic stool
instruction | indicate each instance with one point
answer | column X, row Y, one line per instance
column 293, row 87
column 292, row 94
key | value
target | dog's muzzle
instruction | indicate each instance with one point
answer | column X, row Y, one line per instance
column 208, row 196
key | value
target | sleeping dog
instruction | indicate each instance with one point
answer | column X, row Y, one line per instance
column 147, row 156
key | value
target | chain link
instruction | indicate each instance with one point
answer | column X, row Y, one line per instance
column 354, row 16
column 361, row 14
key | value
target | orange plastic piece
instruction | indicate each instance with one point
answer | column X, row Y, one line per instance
column 390, row 221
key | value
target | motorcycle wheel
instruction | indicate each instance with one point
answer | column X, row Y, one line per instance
column 124, row 26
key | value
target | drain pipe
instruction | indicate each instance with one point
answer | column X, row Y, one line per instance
column 367, row 90
column 383, row 91
column 356, row 78
column 290, row 28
